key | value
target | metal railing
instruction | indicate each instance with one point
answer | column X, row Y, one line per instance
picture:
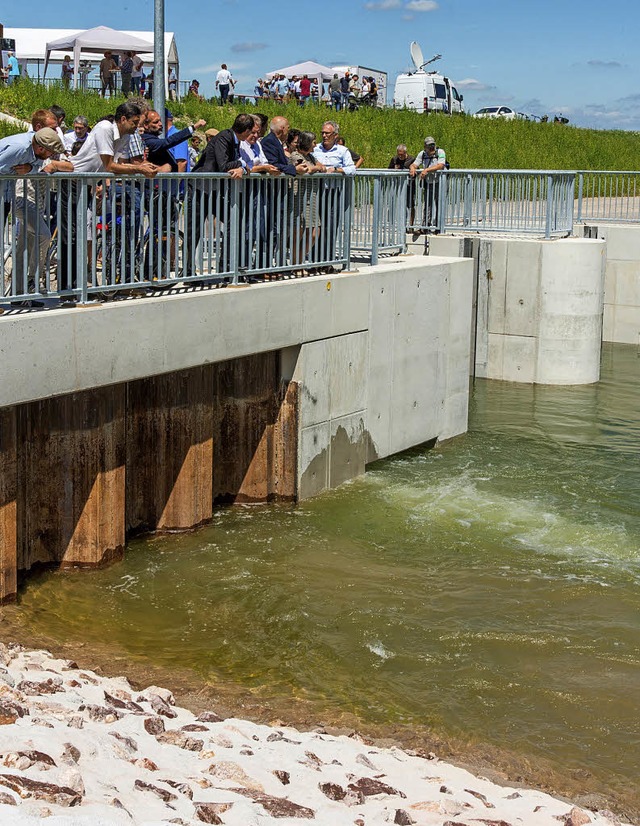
column 90, row 235
column 608, row 196
column 523, row 202
column 379, row 221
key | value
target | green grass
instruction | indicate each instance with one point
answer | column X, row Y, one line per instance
column 375, row 133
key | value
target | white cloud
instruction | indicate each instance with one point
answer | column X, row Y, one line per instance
column 422, row 5
column 473, row 85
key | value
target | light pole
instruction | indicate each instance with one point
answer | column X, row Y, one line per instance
column 159, row 78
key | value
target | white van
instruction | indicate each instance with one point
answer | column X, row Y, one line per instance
column 426, row 91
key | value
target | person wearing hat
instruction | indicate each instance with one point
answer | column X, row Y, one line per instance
column 26, row 154
column 431, row 160
column 210, row 133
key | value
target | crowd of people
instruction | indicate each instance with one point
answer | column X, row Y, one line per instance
column 135, row 141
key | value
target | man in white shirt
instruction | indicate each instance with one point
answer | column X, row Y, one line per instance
column 331, row 154
column 224, row 83
column 102, row 151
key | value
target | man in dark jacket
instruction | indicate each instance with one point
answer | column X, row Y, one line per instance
column 161, row 254
column 207, row 198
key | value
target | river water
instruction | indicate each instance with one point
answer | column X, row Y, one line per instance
column 484, row 592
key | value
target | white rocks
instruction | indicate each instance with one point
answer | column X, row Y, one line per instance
column 88, row 751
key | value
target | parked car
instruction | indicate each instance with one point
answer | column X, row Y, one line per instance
column 496, row 112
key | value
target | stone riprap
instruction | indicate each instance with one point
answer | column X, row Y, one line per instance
column 80, row 748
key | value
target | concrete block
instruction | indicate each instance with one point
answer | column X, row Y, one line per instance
column 449, row 246
column 495, row 358
column 348, row 448
column 519, row 358
column 492, row 280
column 313, row 460
column 312, row 372
column 348, row 362
column 623, row 241
column 456, row 415
column 576, row 365
column 627, row 282
column 626, row 325
column 380, row 379
column 333, row 305
column 522, row 288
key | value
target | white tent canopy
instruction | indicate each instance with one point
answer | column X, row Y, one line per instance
column 308, row 68
column 31, row 46
column 94, row 40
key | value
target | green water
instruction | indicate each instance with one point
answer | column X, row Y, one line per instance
column 486, row 589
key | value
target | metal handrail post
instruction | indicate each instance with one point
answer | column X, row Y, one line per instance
column 375, row 223
column 580, row 193
column 234, row 229
column 402, row 213
column 349, row 184
column 443, row 197
column 468, row 201
column 81, row 237
column 571, row 188
column 547, row 228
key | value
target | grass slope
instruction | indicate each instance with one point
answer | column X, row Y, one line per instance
column 469, row 142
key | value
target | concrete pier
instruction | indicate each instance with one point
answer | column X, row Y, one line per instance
column 538, row 306
column 621, row 321
column 143, row 415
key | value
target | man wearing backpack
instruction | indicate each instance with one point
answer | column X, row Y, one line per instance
column 430, row 161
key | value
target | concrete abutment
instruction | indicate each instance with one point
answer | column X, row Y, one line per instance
column 273, row 393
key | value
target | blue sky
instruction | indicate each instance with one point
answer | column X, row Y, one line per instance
column 575, row 58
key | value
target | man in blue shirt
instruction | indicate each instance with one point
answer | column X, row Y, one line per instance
column 14, row 69
column 24, row 154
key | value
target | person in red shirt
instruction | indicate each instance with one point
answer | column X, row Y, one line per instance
column 305, row 90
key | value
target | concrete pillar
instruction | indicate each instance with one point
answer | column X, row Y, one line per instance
column 538, row 308
column 169, row 450
column 8, row 505
column 71, row 479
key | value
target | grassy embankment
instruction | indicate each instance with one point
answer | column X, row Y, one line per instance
column 469, row 142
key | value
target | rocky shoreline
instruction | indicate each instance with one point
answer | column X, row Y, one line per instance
column 80, row 748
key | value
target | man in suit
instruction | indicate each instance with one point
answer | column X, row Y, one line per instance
column 206, row 198
column 280, row 207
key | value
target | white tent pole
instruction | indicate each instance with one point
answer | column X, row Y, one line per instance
column 76, row 63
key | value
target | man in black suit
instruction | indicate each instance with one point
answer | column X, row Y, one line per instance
column 206, row 198
column 280, row 206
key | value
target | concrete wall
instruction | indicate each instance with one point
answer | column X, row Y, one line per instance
column 621, row 321
column 400, row 382
column 538, row 307
column 141, row 415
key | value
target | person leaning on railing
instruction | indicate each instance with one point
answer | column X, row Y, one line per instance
column 102, row 152
column 221, row 154
column 431, row 160
column 337, row 160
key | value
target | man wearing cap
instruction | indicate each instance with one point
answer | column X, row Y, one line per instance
column 431, row 160
column 26, row 154
column 210, row 134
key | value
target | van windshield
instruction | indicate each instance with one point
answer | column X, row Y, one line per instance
column 441, row 91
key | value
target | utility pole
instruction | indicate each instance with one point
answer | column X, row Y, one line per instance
column 159, row 70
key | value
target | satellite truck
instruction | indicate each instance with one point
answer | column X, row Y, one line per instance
column 426, row 91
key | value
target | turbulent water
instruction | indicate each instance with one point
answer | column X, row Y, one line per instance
column 486, row 589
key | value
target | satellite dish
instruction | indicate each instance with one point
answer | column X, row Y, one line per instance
column 416, row 55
